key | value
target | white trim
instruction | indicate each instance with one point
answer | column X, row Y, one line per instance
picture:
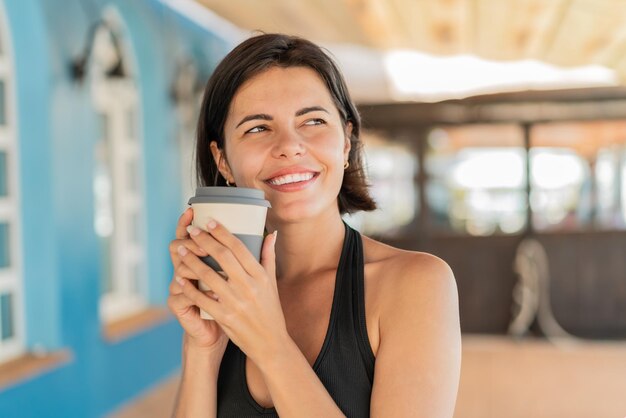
column 117, row 98
column 207, row 19
column 11, row 278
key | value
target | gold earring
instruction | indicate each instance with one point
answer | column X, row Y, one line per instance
column 346, row 165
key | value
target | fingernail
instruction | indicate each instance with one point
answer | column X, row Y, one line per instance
column 182, row 250
column 193, row 231
column 180, row 280
column 275, row 235
column 211, row 224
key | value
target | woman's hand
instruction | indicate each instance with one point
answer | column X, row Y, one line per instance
column 200, row 333
column 247, row 305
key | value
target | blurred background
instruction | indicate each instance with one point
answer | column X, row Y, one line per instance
column 495, row 138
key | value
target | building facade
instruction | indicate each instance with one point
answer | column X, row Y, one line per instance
column 96, row 124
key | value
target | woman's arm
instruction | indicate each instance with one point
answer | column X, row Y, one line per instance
column 248, row 310
column 204, row 342
column 419, row 357
column 197, row 393
column 295, row 389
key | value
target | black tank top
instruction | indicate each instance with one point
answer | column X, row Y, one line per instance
column 345, row 364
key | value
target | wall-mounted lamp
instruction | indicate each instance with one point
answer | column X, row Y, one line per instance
column 186, row 81
column 186, row 91
column 105, row 46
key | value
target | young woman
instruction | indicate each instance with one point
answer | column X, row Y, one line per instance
column 330, row 323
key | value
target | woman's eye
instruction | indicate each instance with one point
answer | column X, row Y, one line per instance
column 256, row 129
column 315, row 122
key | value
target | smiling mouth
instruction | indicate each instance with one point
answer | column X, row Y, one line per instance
column 291, row 178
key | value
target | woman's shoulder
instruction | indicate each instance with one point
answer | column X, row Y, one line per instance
column 397, row 274
column 404, row 263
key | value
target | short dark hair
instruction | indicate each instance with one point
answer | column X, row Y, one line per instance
column 252, row 57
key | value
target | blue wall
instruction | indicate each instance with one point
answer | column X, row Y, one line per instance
column 57, row 128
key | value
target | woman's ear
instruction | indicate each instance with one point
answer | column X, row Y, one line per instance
column 347, row 142
column 220, row 160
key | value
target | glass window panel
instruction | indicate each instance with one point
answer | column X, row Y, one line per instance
column 103, row 202
column 391, row 170
column 559, row 185
column 577, row 175
column 5, row 245
column 103, row 217
column 132, row 176
column 7, row 326
column 476, row 179
column 131, row 124
column 104, row 126
column 3, row 115
column 106, row 276
column 103, row 177
column 135, row 279
column 135, row 228
column 3, row 174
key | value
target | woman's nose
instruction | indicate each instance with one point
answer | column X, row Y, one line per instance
column 288, row 144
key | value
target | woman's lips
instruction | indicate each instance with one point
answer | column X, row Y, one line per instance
column 293, row 187
column 291, row 177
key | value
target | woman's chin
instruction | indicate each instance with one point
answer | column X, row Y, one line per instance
column 291, row 214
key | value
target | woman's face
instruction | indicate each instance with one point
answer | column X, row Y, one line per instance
column 283, row 135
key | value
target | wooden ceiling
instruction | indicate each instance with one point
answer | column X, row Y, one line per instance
column 560, row 32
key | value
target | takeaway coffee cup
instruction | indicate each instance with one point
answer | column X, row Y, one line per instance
column 241, row 210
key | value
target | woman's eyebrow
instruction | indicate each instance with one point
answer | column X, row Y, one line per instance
column 310, row 109
column 264, row 116
column 261, row 116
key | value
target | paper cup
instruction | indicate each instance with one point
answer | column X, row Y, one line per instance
column 241, row 210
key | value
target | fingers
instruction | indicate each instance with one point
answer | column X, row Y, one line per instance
column 232, row 255
column 180, row 305
column 182, row 270
column 268, row 254
column 175, row 287
column 191, row 296
column 204, row 273
column 182, row 238
column 184, row 220
column 191, row 246
column 225, row 247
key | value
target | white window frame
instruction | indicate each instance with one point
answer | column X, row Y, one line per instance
column 11, row 278
column 117, row 98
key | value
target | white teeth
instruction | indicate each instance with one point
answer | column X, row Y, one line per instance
column 291, row 178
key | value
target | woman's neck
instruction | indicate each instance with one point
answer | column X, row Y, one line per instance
column 307, row 247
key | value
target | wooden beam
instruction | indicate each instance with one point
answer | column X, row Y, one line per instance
column 612, row 55
column 529, row 107
column 504, row 28
column 541, row 43
column 586, row 29
column 377, row 22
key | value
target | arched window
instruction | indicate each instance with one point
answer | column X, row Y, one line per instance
column 11, row 306
column 118, row 174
